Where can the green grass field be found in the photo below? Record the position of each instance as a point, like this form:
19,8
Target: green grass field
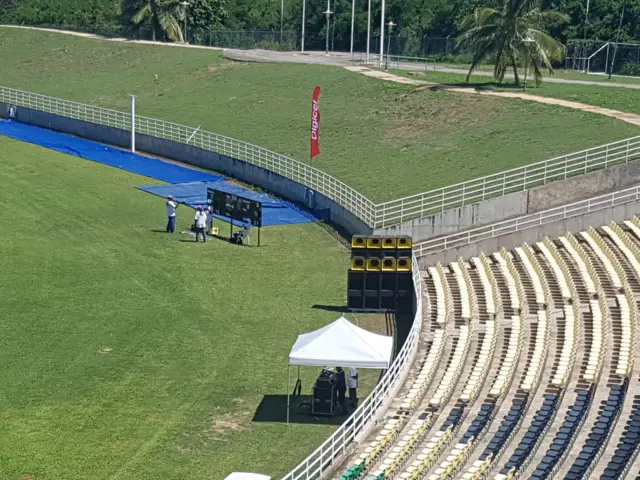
560,73
616,98
128,353
374,137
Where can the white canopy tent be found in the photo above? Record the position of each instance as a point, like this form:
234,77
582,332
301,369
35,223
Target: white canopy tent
343,344
247,476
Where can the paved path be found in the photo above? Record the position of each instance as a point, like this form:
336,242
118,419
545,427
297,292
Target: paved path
344,59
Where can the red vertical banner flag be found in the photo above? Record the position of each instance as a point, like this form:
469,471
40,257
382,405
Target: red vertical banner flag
315,123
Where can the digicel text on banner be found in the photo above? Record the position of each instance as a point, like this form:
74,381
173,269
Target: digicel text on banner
315,123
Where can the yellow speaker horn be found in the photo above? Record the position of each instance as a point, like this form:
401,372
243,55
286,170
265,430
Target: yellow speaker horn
358,241
389,264
374,242
373,264
404,242
358,264
404,264
389,242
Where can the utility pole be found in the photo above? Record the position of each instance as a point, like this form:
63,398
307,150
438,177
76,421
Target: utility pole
615,50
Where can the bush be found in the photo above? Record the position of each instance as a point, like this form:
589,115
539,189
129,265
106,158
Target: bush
631,69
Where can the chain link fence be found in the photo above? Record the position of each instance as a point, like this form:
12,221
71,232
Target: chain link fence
245,39
595,56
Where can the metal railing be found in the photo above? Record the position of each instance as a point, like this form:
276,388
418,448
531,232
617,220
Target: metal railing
333,449
381,215
514,180
468,237
309,176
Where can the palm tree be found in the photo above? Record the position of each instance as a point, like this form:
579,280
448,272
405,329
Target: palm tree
164,16
515,30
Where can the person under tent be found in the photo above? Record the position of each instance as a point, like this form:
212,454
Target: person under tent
352,383
341,389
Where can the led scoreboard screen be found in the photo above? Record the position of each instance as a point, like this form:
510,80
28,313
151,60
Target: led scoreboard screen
235,207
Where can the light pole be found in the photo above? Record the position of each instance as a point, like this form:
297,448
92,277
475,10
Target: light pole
526,42
382,33
584,43
328,15
133,123
304,6
615,50
353,16
390,25
368,29
185,5
281,20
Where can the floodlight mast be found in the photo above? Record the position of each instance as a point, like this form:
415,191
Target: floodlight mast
133,123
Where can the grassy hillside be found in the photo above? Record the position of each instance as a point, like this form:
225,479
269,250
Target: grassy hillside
374,136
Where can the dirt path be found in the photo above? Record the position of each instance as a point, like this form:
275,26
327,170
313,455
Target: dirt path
625,117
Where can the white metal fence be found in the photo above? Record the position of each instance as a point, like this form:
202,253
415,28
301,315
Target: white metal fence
325,456
517,179
468,237
375,215
313,178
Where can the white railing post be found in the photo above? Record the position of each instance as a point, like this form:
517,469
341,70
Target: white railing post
133,123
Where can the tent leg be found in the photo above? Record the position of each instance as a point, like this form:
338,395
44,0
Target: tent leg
288,390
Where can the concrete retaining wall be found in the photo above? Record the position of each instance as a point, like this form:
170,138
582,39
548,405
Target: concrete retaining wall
243,171
583,186
469,216
535,234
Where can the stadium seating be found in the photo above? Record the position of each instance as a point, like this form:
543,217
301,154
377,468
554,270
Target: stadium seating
528,367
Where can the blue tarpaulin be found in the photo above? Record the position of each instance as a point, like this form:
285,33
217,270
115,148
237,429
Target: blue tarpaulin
97,152
188,185
274,211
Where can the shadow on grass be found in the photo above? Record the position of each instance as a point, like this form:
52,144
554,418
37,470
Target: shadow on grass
331,308
273,408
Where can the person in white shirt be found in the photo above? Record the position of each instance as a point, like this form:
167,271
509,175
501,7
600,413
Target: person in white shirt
201,223
352,383
171,213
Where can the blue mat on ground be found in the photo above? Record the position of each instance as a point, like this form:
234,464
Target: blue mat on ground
79,147
189,185
274,211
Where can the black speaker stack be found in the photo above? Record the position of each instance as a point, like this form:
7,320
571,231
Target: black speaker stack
380,278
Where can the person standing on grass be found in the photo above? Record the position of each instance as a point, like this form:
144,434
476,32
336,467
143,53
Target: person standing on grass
341,388
171,213
201,223
352,383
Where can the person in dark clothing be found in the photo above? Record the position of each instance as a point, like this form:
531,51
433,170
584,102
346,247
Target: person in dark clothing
341,387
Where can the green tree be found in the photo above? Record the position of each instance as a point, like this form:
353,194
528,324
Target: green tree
516,30
164,16
205,15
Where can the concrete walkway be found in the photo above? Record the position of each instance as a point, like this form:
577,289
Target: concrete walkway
344,59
